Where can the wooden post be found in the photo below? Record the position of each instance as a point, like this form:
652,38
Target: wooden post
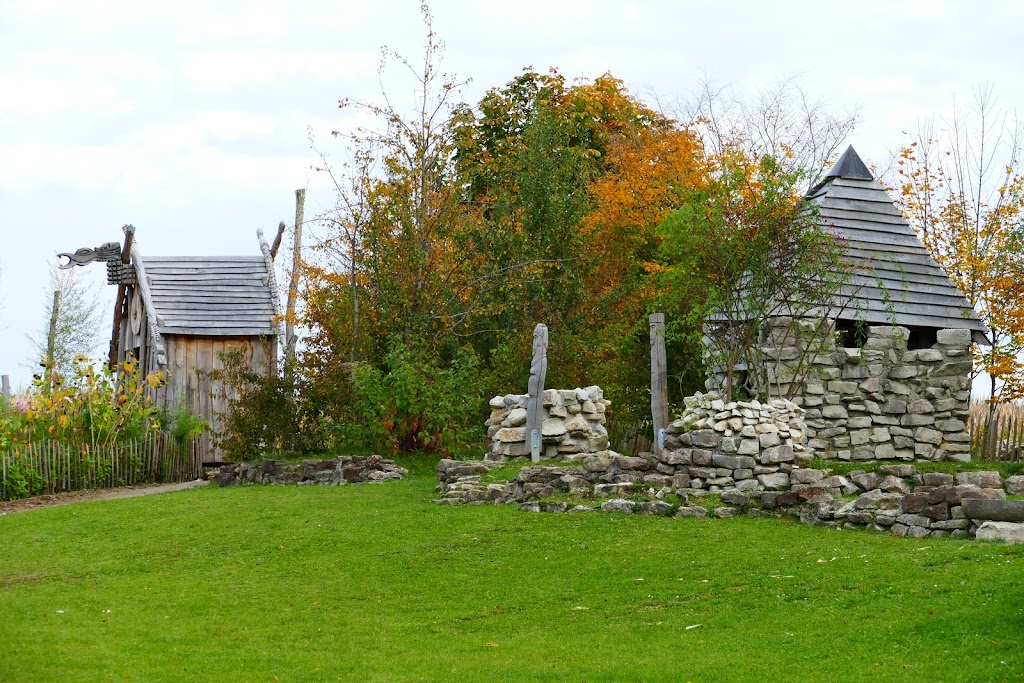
535,403
5,390
120,299
293,285
51,339
659,380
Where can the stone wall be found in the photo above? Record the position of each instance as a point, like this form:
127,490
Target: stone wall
336,471
896,498
572,424
880,401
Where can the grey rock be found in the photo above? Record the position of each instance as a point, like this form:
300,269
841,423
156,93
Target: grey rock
954,337
1014,485
778,480
985,480
654,507
898,470
893,484
692,511
618,505
733,462
736,498
865,480
806,476
938,479
996,510
705,438
1008,532
878,500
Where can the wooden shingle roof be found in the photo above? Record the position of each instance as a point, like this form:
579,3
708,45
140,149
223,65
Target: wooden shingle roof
211,295
896,280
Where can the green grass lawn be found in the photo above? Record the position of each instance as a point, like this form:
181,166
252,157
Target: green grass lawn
376,583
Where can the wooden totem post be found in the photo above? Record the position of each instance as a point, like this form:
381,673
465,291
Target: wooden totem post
659,380
121,301
535,403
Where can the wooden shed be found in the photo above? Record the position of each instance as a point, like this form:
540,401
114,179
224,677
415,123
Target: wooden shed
178,313
896,281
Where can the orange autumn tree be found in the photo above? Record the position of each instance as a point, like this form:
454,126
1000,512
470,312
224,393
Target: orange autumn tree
649,171
962,190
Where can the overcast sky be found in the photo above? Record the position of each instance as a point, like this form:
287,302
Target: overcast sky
191,120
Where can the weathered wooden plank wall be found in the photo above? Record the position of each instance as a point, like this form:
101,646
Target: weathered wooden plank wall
190,360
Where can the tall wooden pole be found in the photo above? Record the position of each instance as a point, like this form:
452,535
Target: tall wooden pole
293,285
5,390
659,380
51,339
535,402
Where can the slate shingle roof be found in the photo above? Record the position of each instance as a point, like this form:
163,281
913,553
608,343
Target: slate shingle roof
896,279
211,295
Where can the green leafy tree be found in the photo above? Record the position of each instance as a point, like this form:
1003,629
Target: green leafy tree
78,322
743,251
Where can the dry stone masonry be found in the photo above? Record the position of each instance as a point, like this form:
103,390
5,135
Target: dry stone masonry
572,424
881,400
896,498
371,469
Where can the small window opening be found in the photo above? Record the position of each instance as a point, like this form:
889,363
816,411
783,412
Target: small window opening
851,334
922,337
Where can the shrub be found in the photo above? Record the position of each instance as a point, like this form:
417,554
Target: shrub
414,403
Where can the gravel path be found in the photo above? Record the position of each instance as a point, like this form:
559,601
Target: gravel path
24,504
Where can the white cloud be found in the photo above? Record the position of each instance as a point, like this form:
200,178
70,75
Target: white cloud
220,68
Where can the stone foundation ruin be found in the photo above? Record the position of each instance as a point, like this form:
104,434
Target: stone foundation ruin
883,399
572,424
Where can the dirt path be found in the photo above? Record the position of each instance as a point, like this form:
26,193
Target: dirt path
24,504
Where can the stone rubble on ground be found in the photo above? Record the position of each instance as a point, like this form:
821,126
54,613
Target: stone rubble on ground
371,469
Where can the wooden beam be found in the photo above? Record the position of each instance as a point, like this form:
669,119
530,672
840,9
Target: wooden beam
275,298
142,282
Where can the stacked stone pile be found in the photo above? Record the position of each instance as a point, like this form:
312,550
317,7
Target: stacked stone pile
742,444
572,424
371,469
881,401
896,498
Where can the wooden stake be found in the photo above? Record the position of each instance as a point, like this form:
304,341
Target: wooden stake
293,285
5,390
659,380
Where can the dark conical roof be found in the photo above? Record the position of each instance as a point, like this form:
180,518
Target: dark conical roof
850,166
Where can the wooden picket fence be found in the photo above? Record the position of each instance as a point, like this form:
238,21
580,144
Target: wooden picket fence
997,435
51,466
